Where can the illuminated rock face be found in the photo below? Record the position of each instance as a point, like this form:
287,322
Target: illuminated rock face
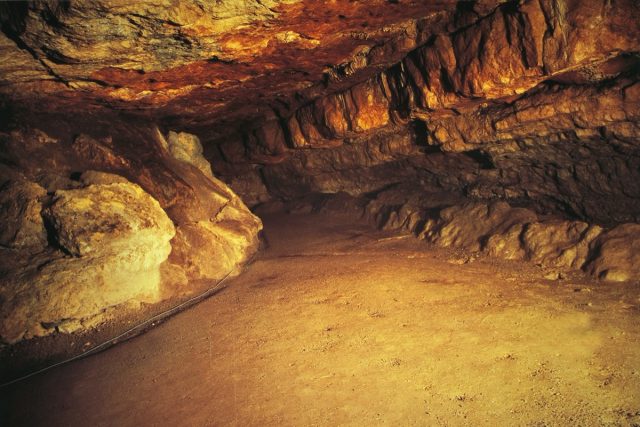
96,246
196,65
500,230
505,127
117,235
547,107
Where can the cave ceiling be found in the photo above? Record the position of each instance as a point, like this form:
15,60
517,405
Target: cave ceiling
214,67
207,67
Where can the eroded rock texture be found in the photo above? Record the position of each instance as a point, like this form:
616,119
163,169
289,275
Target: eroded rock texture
83,247
500,230
207,67
117,236
526,104
508,127
546,106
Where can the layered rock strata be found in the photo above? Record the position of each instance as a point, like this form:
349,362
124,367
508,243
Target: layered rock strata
467,123
546,107
207,66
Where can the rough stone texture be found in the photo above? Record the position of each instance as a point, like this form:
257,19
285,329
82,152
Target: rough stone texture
184,60
557,243
546,106
511,233
214,245
20,207
117,235
111,242
617,254
469,226
444,116
219,224
111,219
187,148
502,55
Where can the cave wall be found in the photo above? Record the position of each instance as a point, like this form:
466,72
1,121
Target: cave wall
545,105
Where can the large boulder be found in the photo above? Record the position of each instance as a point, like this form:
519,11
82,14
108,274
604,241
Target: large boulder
20,206
116,237
105,220
215,231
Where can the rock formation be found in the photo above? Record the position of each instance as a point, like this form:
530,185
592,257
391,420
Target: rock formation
80,248
502,231
505,127
115,237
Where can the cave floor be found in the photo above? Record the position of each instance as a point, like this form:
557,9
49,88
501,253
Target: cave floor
338,324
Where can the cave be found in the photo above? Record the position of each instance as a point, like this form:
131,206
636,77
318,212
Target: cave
319,212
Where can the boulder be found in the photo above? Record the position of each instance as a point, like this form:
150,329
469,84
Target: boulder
217,247
118,219
558,243
469,226
116,236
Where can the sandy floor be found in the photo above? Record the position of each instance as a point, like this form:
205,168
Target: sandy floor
337,324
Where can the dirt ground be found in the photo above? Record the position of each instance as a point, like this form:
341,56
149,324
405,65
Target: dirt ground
338,324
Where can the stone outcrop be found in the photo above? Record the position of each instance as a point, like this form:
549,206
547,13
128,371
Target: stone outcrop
95,245
117,236
510,128
182,62
20,206
511,233
616,254
471,225
497,58
528,90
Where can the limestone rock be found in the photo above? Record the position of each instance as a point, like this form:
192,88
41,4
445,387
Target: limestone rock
509,233
508,244
112,241
187,148
164,55
20,207
470,225
215,231
561,244
616,254
118,236
216,247
412,106
104,219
